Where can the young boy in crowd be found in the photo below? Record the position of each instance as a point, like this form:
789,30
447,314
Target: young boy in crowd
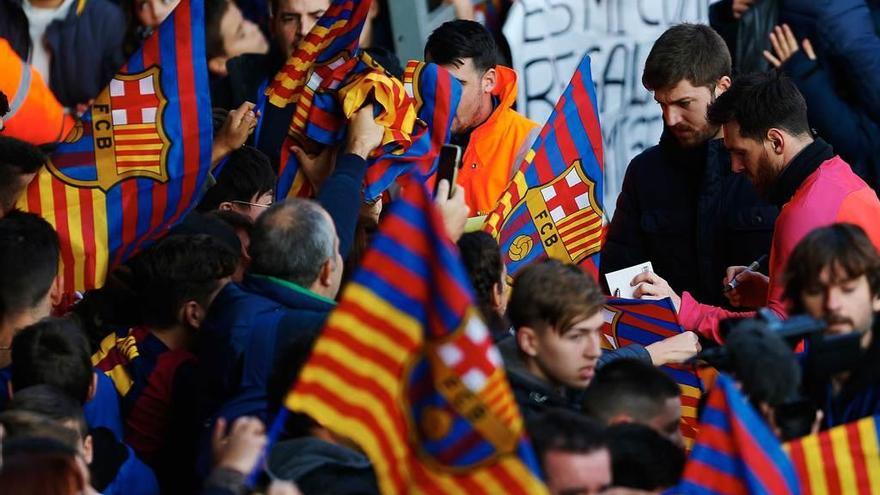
555,311
152,365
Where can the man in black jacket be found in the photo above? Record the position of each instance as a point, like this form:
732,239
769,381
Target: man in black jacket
681,207
556,311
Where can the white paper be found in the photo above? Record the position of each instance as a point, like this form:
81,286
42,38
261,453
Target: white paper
618,282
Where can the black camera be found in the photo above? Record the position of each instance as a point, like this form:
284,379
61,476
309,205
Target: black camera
760,353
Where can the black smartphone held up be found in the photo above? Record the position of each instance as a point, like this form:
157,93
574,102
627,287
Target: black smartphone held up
450,161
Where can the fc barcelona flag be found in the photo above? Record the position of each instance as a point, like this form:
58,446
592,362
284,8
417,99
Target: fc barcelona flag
553,205
406,368
133,165
636,321
844,459
735,452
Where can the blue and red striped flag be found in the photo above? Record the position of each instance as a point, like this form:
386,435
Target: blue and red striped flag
133,166
735,452
553,205
644,322
405,368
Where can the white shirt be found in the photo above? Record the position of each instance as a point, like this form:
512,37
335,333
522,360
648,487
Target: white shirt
38,20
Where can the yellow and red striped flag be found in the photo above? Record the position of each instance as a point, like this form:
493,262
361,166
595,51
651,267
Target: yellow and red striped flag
405,368
844,459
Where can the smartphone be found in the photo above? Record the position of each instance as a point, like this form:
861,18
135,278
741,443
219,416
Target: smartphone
450,161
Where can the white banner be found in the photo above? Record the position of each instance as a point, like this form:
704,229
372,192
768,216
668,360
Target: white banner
547,40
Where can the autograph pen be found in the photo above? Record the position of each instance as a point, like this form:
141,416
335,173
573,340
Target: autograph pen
735,281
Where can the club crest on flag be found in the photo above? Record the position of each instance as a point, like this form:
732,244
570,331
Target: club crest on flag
125,133
563,215
457,417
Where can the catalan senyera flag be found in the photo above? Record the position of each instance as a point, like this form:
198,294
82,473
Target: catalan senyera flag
133,165
428,91
335,79
553,205
843,459
405,368
333,41
644,322
435,94
735,451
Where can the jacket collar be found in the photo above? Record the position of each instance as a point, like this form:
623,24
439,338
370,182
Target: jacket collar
796,172
287,293
694,158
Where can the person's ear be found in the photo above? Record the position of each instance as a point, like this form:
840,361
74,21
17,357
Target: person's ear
527,341
722,85
88,449
777,140
193,314
217,65
93,387
56,291
225,206
325,276
875,302
495,297
489,80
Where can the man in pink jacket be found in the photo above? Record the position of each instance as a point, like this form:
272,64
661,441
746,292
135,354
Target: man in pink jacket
764,118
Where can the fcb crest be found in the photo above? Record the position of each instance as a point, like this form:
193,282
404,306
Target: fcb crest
461,411
561,218
123,133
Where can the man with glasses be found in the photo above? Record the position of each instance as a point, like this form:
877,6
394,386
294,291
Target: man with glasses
245,185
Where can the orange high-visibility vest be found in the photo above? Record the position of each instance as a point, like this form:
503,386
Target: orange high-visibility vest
488,162
35,115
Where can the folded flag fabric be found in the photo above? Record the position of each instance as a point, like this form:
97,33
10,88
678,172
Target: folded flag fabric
735,451
435,95
843,459
136,162
405,368
553,205
644,322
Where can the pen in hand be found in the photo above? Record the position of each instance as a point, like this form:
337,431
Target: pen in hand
734,282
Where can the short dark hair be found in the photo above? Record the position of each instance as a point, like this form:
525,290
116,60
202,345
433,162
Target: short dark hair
29,254
214,12
291,241
17,158
566,431
482,261
246,174
50,402
457,40
692,52
178,269
550,293
631,387
234,219
643,459
22,426
842,245
759,102
762,362
53,352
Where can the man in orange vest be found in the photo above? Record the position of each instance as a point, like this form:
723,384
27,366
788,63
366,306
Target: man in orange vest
494,136
34,114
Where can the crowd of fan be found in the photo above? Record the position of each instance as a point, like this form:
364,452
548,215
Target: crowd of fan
163,380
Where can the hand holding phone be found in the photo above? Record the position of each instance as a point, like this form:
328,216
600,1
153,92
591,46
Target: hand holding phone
449,163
